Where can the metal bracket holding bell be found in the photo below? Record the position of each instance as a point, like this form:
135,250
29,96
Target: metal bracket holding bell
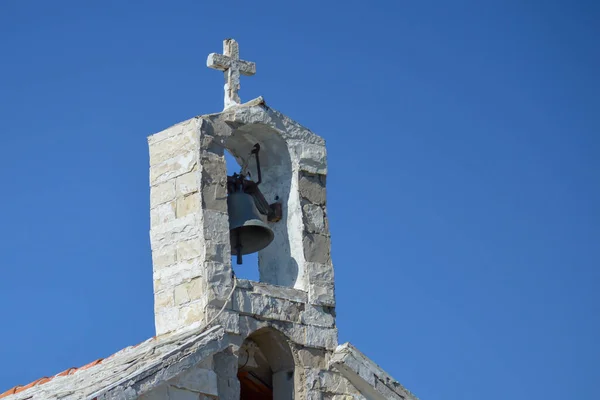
245,204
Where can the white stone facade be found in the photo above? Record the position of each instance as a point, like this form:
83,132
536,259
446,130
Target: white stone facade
189,222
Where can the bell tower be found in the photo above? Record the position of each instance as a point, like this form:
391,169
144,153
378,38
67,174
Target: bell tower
276,205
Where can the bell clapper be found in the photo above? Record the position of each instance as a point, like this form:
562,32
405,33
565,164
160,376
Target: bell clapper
238,248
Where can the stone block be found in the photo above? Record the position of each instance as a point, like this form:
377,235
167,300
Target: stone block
176,393
216,226
214,169
218,252
173,168
181,294
190,313
173,275
228,319
214,197
295,332
190,249
322,294
162,214
172,131
312,188
266,307
188,291
166,319
175,231
319,273
188,204
218,283
321,337
197,380
164,257
314,218
280,292
226,365
317,248
318,316
187,183
164,299
157,393
162,193
313,358
171,147
334,382
311,157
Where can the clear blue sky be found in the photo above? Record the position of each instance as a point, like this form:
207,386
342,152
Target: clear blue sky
467,259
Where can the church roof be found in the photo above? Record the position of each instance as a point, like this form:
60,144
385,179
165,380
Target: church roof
368,377
131,371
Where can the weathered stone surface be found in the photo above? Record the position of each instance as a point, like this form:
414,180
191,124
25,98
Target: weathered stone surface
188,204
229,320
318,316
266,307
295,332
314,218
188,291
174,146
321,337
172,131
226,365
173,168
178,230
162,214
176,393
312,188
190,313
218,252
162,193
164,299
214,197
280,292
317,248
311,157
189,249
319,273
218,283
313,358
164,257
197,380
173,275
366,376
321,294
187,183
216,226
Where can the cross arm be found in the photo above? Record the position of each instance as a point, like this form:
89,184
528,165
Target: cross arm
218,61
247,68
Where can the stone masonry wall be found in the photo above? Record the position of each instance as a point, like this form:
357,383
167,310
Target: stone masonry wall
189,221
189,229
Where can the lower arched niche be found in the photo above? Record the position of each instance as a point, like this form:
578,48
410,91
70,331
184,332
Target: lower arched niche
266,367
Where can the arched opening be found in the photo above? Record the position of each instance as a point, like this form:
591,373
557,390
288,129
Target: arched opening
277,263
266,367
249,269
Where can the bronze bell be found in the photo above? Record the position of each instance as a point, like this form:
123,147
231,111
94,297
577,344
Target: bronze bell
247,231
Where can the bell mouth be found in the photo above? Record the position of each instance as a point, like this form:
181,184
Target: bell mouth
254,236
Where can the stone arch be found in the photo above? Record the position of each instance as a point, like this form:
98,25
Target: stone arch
279,262
266,366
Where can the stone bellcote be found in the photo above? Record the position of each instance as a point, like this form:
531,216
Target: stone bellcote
189,220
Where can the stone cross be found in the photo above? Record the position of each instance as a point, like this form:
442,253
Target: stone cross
230,63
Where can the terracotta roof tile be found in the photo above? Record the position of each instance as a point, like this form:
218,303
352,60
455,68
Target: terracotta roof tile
41,381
